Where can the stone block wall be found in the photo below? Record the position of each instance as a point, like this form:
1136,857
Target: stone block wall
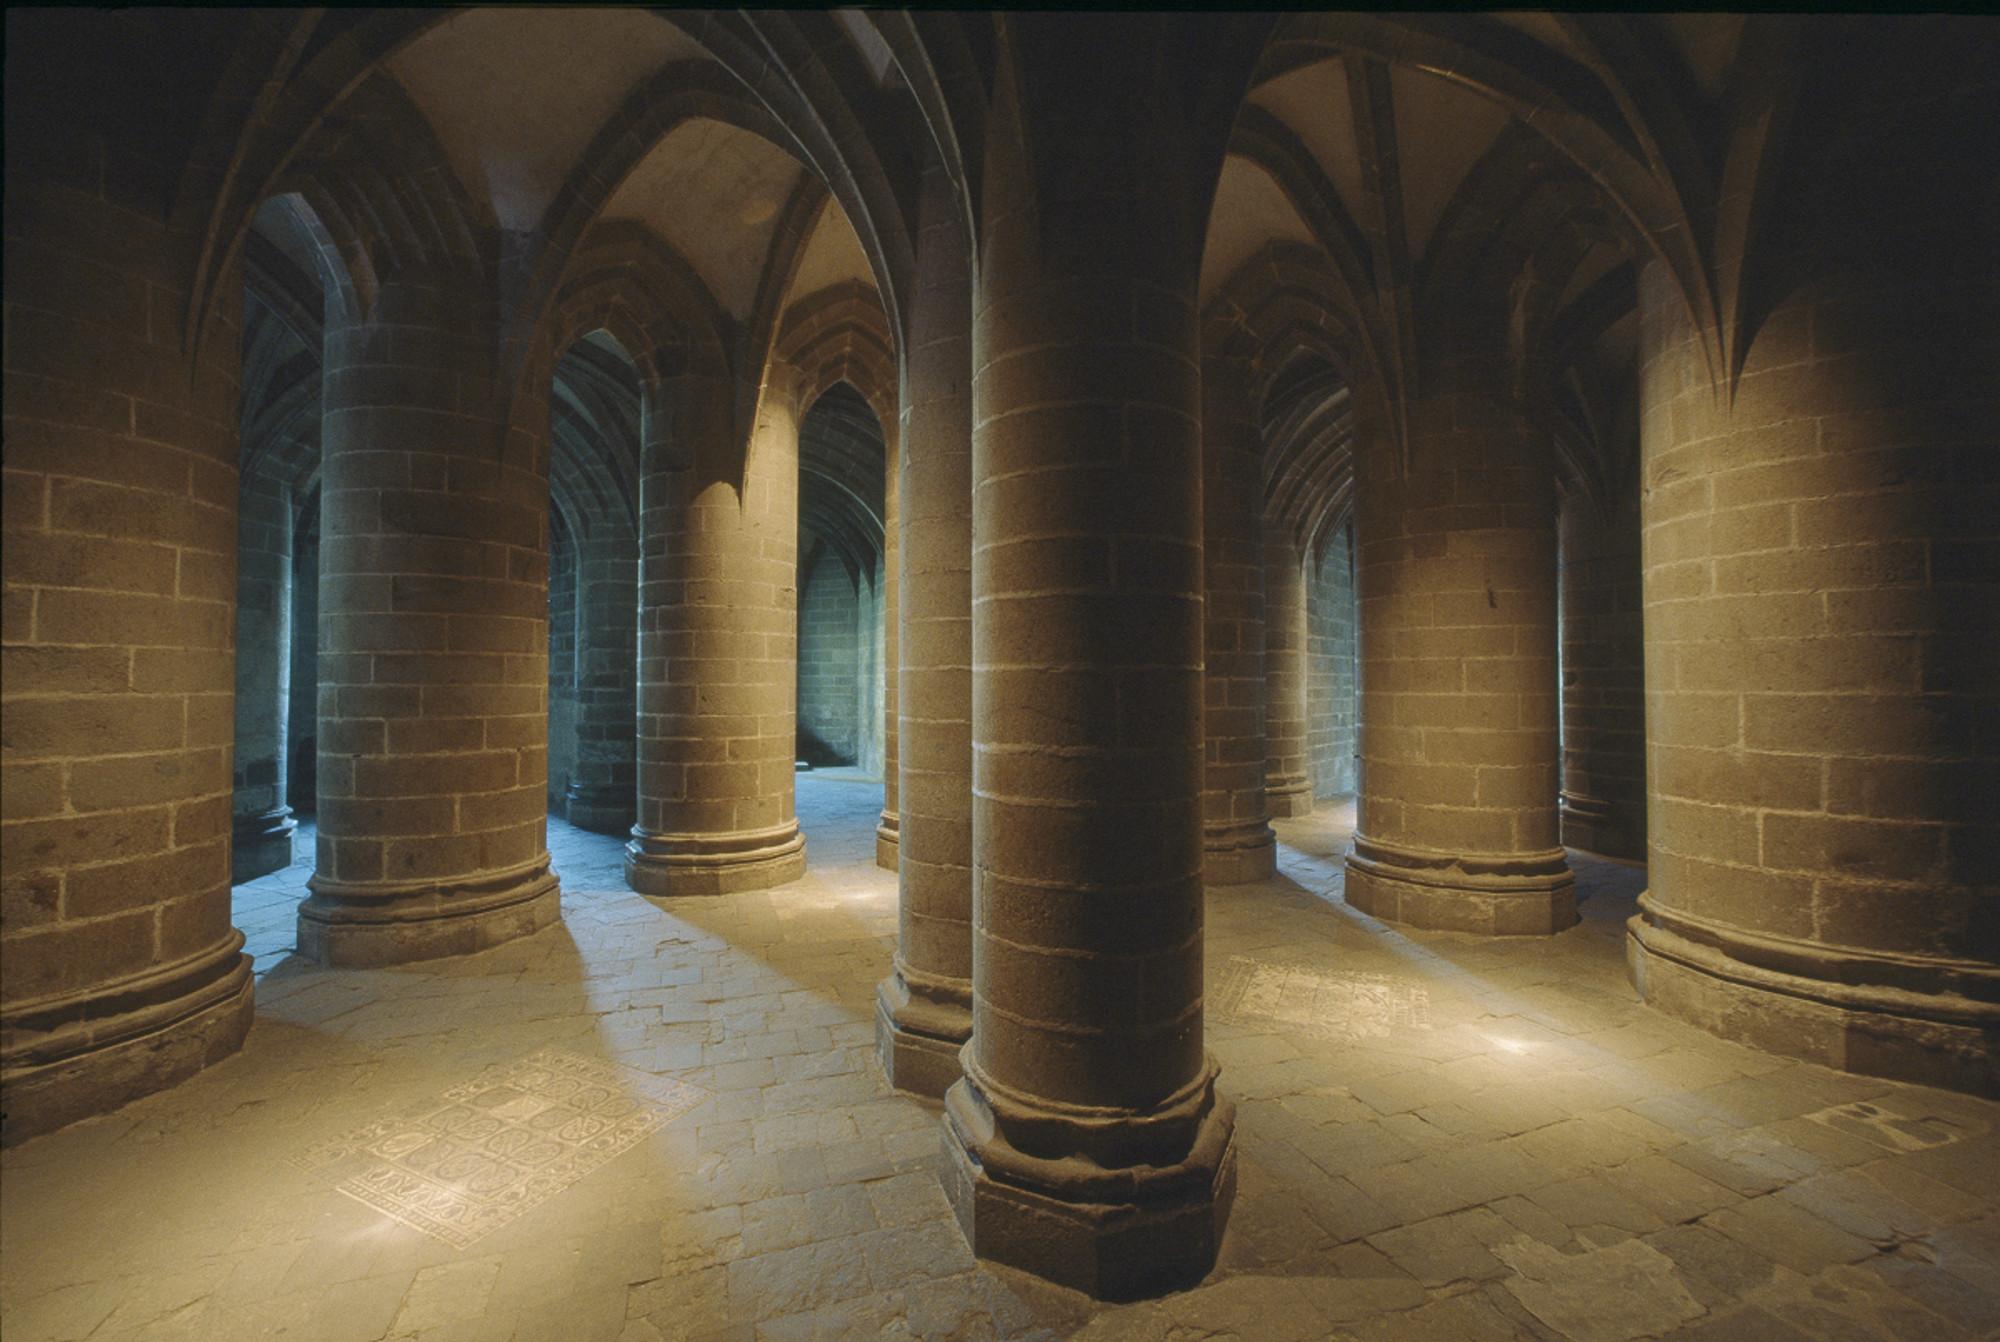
262,827
830,680
603,767
1603,674
302,726
562,666
1330,668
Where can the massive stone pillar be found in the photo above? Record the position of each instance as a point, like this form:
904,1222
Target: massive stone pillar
604,779
1288,786
718,641
888,829
1823,603
1603,673
924,1007
1455,579
1087,1142
433,655
1236,825
262,826
119,971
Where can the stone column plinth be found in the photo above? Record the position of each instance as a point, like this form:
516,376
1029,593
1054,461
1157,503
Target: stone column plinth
1288,789
262,825
119,971
1455,579
718,642
1087,1142
604,780
1603,673
433,651
924,1007
1236,826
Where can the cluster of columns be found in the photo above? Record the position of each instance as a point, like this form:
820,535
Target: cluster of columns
1101,673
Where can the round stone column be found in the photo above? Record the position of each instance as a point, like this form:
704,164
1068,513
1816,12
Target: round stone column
1288,789
1455,581
1237,842
433,651
924,1008
888,828
1603,675
1087,1142
262,824
603,786
1822,608
119,971
718,641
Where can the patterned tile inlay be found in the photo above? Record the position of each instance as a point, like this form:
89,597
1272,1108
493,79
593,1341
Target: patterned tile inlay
1889,1129
462,1165
1326,1004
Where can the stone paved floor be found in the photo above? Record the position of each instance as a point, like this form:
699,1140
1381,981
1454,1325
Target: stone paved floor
1439,1138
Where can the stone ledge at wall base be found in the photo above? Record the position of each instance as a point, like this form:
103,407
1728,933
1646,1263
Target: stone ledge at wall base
921,1024
260,842
888,841
1854,1011
1500,894
1288,796
670,865
70,1057
600,810
367,924
1607,828
1120,1207
1237,852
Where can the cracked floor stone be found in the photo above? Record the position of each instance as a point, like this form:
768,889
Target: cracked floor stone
1496,1141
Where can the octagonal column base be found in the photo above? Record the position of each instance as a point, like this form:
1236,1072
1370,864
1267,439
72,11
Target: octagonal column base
601,810
1287,796
1496,894
888,840
1908,1017
671,865
1236,852
1119,1205
921,1023
261,843
367,924
1606,827
67,1058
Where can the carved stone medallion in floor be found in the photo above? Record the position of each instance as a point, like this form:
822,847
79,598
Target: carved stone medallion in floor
1322,1003
461,1165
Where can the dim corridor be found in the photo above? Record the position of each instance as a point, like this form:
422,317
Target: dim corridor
1438,1136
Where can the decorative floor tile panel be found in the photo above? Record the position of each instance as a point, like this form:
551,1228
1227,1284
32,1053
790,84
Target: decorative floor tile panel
1323,1003
462,1165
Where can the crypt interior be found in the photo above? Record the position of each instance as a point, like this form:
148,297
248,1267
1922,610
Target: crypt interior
766,675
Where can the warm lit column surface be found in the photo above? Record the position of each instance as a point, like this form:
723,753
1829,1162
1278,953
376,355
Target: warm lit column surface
262,828
1236,826
1086,1142
718,641
888,828
1823,672
604,778
1288,789
924,1007
1455,580
433,653
119,971
1603,673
